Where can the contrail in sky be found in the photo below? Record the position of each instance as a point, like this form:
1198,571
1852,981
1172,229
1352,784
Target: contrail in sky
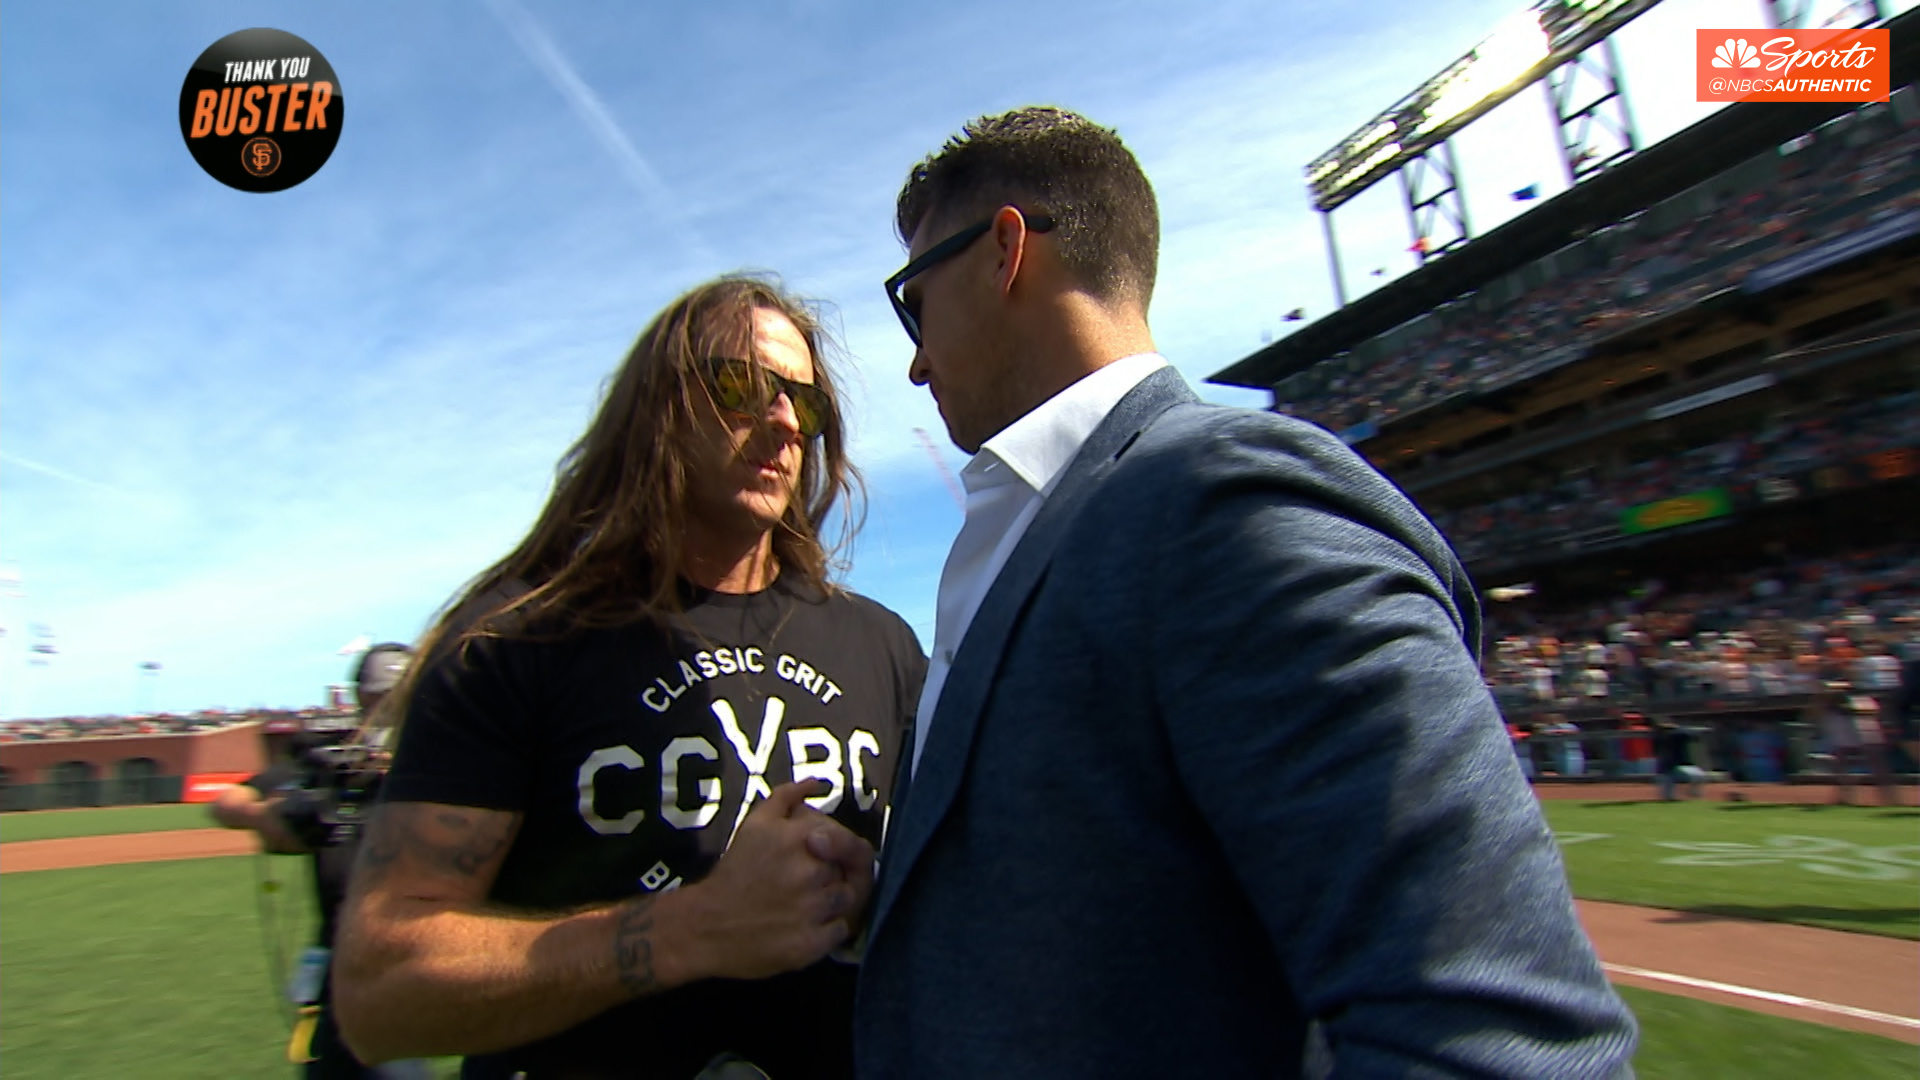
62,474
546,56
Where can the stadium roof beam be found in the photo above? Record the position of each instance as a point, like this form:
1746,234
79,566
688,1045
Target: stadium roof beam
1522,49
1583,149
1697,154
1438,217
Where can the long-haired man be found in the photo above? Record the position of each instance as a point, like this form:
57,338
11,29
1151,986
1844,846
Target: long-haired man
643,764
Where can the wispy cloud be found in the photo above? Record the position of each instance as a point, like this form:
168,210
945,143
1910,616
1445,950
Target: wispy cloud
599,120
62,474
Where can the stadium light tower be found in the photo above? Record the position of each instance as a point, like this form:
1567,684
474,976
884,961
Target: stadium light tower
1525,48
10,590
1437,215
1599,132
39,660
144,685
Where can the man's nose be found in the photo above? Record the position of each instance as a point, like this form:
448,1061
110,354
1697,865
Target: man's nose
917,371
782,416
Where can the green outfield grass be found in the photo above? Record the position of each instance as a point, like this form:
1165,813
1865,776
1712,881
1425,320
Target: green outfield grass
1847,868
160,970
102,821
1684,1039
151,969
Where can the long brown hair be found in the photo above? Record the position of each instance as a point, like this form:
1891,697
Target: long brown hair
607,549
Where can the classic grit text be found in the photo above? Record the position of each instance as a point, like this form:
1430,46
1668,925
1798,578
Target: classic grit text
815,752
734,661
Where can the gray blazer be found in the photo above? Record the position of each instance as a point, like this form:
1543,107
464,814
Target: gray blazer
1214,768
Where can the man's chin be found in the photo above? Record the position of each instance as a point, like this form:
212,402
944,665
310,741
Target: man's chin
745,510
760,513
966,443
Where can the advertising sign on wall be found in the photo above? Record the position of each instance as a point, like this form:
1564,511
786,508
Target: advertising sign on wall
1679,510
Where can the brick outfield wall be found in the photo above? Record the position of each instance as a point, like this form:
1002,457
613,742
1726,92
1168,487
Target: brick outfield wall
239,749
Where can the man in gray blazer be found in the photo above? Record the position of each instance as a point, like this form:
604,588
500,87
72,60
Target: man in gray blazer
1206,781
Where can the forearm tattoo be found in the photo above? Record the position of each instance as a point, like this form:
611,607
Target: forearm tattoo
633,945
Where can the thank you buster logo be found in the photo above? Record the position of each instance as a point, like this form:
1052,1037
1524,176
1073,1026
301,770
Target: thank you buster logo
1792,65
261,110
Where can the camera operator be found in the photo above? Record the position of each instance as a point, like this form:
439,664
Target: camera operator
310,803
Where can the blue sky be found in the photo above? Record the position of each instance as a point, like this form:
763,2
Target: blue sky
238,430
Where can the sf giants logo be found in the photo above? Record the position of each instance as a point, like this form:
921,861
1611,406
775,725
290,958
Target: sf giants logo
815,754
261,156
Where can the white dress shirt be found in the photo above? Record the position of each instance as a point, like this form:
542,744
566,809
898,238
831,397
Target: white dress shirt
1006,484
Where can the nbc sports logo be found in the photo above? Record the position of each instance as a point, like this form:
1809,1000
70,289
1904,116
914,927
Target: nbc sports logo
1840,65
1735,52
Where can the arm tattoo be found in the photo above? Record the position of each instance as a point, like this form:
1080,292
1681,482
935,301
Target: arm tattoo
454,843
379,848
475,842
633,946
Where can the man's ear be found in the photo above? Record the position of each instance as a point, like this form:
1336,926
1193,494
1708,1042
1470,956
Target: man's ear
1010,236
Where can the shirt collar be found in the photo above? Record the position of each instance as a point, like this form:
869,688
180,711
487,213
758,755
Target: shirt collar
1037,448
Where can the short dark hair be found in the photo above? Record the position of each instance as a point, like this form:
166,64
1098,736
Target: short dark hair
1051,161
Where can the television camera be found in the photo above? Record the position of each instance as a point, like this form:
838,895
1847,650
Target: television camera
336,786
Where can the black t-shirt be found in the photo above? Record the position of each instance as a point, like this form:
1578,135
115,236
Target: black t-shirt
632,754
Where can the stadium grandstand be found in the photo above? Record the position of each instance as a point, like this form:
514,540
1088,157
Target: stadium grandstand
57,728
1670,419
69,761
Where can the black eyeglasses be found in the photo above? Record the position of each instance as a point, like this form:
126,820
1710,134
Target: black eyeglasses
746,387
909,310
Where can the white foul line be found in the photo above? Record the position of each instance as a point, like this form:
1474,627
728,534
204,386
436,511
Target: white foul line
1767,995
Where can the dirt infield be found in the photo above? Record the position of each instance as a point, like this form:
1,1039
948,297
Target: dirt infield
1847,977
126,848
1856,981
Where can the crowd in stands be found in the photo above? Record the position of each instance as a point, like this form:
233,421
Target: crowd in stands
1595,498
98,727
1785,631
1836,641
1826,190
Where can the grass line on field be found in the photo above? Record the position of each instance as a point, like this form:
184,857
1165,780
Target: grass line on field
1794,1000
102,821
1683,1038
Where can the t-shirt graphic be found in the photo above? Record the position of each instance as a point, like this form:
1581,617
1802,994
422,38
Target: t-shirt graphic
633,755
